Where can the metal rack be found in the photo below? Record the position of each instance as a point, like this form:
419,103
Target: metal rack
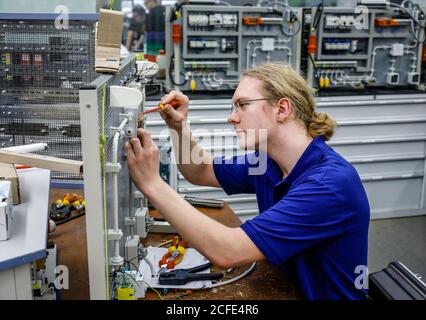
41,70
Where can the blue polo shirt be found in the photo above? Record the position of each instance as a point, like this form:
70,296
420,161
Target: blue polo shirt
313,223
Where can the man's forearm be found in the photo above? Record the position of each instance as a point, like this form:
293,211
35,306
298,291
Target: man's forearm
191,159
211,238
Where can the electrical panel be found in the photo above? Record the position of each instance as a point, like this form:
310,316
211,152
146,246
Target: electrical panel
210,46
41,70
363,47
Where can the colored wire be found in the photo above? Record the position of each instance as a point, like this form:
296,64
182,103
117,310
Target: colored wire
222,283
158,293
318,14
103,164
164,243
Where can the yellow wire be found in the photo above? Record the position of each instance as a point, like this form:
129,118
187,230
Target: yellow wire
156,291
111,4
103,163
164,243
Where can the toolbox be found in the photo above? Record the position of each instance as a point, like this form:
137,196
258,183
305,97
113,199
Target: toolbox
396,282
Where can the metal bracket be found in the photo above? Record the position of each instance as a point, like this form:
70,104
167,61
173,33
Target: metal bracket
113,168
142,222
129,221
138,195
131,126
114,235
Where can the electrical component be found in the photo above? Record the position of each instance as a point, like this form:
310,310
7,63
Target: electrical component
354,46
229,20
268,44
215,19
331,21
397,50
227,45
312,44
336,64
271,20
141,217
199,20
413,78
373,2
337,44
392,78
344,21
192,85
386,22
206,64
252,21
129,285
127,293
203,44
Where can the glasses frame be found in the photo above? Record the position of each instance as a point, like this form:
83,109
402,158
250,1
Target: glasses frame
236,105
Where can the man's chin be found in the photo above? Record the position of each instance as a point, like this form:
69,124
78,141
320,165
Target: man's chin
243,145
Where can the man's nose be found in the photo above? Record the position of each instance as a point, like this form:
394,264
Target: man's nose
233,118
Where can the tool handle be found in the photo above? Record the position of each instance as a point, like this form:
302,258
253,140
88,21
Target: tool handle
198,268
173,103
182,278
205,276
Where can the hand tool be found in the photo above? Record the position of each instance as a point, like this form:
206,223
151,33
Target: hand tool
173,103
183,276
174,254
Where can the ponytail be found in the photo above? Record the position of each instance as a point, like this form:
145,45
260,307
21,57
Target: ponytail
322,125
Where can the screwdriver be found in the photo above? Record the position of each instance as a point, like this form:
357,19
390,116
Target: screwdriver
173,103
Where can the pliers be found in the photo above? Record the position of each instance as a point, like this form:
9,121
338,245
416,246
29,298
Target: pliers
183,276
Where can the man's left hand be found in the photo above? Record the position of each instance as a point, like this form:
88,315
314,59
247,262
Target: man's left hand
143,160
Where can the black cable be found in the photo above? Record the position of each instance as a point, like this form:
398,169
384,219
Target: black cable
176,8
409,14
312,59
172,62
318,14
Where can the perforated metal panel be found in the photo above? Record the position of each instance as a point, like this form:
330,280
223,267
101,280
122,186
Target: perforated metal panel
41,70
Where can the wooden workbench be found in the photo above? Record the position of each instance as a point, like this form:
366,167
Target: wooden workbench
266,282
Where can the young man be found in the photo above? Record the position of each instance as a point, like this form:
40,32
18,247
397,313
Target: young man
155,36
135,34
314,213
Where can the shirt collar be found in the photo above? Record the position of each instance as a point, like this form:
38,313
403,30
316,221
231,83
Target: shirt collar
309,158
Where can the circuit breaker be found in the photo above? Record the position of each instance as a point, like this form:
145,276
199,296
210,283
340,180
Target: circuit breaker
361,47
210,46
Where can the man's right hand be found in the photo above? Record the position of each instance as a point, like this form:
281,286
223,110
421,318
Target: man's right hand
175,117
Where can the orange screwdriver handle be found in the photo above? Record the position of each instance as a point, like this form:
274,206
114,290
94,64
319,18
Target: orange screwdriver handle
173,103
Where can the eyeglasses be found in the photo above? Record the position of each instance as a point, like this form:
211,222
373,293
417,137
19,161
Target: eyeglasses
240,104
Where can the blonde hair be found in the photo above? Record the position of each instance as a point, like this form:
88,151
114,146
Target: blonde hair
281,81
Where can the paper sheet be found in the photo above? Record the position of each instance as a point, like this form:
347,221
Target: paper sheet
191,259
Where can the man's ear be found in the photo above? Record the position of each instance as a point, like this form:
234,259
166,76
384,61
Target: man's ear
284,109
